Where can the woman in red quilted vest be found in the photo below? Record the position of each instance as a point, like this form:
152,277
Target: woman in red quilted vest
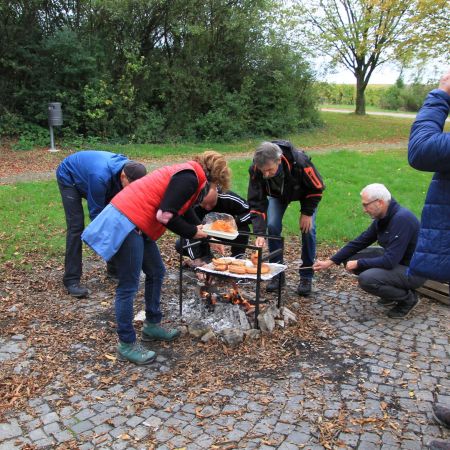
126,232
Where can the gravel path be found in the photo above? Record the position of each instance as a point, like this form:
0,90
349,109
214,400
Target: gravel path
153,164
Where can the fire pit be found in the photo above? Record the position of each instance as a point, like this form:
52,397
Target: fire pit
233,296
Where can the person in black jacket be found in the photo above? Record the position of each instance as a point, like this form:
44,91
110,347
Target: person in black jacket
383,271
279,175
220,202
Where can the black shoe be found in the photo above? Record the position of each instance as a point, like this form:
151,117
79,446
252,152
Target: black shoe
441,415
403,308
275,282
75,290
304,287
386,301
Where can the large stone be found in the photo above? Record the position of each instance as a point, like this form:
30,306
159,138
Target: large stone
209,335
266,319
198,329
288,315
232,336
252,334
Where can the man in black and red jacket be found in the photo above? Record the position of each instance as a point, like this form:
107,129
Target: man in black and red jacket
221,202
279,175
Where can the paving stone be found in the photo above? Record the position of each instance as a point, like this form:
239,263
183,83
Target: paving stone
10,445
52,428
139,432
44,443
163,435
63,436
9,430
37,435
81,427
297,438
85,414
204,441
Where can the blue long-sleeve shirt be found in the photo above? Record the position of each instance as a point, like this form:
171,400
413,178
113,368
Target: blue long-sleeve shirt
396,232
96,175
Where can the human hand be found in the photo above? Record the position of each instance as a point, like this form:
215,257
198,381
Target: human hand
322,265
305,223
444,84
219,248
260,241
200,233
351,266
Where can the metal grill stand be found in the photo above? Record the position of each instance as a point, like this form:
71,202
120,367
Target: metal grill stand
244,246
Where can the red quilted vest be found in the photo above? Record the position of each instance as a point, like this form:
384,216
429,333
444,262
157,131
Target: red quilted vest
140,200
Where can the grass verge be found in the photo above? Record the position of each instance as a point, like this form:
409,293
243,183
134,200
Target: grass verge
33,219
338,129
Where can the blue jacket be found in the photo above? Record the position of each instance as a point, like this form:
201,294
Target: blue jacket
396,232
96,175
429,150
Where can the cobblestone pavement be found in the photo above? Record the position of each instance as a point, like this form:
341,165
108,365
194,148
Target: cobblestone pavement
370,386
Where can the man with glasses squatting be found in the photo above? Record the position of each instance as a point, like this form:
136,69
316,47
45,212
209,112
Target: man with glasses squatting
382,270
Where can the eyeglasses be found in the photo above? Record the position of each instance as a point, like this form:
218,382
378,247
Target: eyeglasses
365,205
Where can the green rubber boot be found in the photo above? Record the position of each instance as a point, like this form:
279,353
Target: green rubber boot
154,332
135,353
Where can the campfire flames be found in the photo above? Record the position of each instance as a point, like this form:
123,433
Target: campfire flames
233,296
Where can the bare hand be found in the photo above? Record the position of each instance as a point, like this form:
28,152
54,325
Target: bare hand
200,233
445,83
260,242
305,223
219,248
322,265
351,266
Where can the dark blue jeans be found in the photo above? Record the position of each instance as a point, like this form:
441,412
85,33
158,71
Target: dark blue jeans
137,252
275,213
73,208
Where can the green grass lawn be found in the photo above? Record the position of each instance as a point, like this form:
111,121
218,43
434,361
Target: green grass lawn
33,219
338,129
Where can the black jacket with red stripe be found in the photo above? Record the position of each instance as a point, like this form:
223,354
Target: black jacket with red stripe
301,181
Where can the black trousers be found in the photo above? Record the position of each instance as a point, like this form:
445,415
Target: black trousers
202,250
392,283
73,208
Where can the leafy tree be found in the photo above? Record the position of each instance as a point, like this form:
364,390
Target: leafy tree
363,34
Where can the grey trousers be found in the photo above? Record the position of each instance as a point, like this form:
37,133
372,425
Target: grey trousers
393,284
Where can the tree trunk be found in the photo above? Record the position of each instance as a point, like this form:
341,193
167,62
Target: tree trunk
360,94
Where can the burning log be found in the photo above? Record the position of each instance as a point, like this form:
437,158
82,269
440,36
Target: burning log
233,296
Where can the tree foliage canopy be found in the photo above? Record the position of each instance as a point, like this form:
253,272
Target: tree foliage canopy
151,70
363,34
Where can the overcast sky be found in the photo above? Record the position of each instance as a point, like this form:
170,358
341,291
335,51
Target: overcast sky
384,74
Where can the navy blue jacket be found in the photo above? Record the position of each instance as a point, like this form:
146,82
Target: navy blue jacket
396,232
96,175
429,150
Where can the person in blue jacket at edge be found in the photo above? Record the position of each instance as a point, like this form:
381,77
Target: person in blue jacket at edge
96,176
429,150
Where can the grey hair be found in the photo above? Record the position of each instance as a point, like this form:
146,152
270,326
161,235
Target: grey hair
265,153
377,191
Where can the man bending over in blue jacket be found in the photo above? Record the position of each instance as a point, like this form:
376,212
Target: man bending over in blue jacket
96,176
383,271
